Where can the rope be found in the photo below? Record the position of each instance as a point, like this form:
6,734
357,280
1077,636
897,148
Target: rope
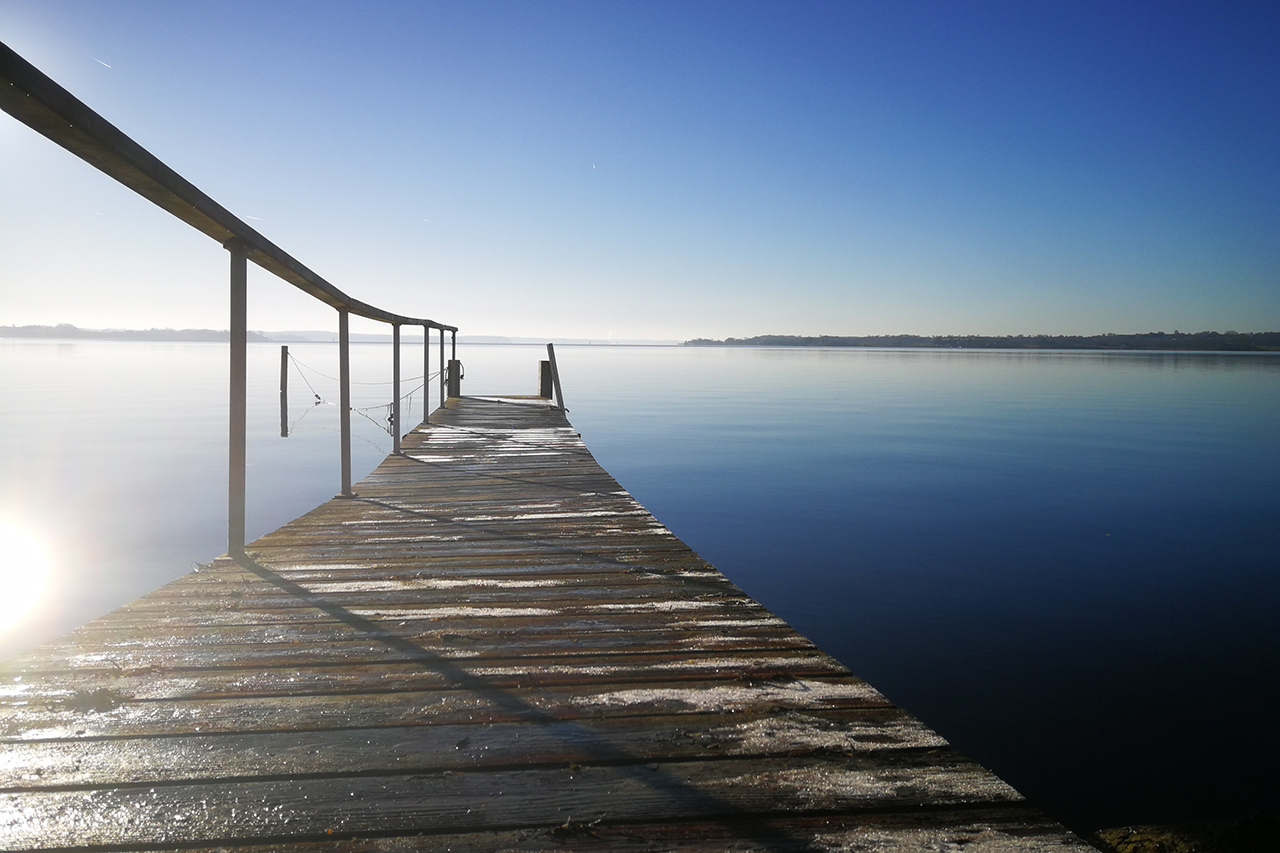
374,444
302,366
315,393
305,412
388,427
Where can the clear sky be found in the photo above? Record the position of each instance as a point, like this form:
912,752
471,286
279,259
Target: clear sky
667,170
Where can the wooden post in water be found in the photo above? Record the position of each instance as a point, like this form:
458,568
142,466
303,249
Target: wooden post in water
236,434
555,377
395,388
284,392
344,399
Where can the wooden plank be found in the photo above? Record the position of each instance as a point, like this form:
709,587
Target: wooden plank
115,715
967,830
467,802
465,637
84,763
531,622
188,682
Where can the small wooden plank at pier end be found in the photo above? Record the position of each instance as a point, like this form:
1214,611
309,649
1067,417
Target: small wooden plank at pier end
492,647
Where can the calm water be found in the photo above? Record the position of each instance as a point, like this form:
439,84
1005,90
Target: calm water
1064,562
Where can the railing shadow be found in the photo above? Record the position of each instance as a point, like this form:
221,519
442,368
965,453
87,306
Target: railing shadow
704,807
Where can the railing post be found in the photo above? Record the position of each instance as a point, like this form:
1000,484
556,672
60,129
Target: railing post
442,371
344,399
395,389
236,432
426,374
555,376
284,392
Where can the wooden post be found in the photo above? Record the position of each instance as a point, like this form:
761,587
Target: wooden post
395,389
344,399
555,377
544,380
236,434
455,378
426,374
455,367
442,370
284,392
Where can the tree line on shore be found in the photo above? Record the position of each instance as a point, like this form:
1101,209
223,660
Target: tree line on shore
1230,341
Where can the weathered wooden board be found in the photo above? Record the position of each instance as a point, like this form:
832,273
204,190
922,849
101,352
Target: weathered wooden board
80,762
492,647
496,799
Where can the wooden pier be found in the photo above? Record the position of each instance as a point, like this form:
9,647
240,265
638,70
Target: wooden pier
492,646
485,645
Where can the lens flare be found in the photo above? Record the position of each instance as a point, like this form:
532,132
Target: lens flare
24,571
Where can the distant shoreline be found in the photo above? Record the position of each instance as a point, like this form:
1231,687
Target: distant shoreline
66,331
1190,341
1229,341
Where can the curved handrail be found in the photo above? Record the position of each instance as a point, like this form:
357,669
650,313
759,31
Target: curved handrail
30,96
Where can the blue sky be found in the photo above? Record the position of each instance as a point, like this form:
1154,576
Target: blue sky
667,170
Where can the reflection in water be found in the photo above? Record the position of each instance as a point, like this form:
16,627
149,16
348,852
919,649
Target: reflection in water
24,572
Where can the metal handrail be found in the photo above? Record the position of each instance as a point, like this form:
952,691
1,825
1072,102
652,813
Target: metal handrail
30,96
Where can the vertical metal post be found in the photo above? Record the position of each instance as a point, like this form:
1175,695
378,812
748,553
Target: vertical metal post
442,376
395,388
284,392
453,342
426,374
555,376
236,440
344,399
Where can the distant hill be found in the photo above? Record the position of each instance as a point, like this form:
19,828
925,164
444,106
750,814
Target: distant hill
67,331
1198,341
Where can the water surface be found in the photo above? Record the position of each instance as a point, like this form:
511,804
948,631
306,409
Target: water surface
1064,562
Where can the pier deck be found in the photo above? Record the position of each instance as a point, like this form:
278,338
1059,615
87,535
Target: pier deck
492,647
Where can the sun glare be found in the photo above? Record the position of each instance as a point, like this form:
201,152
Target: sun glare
24,570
